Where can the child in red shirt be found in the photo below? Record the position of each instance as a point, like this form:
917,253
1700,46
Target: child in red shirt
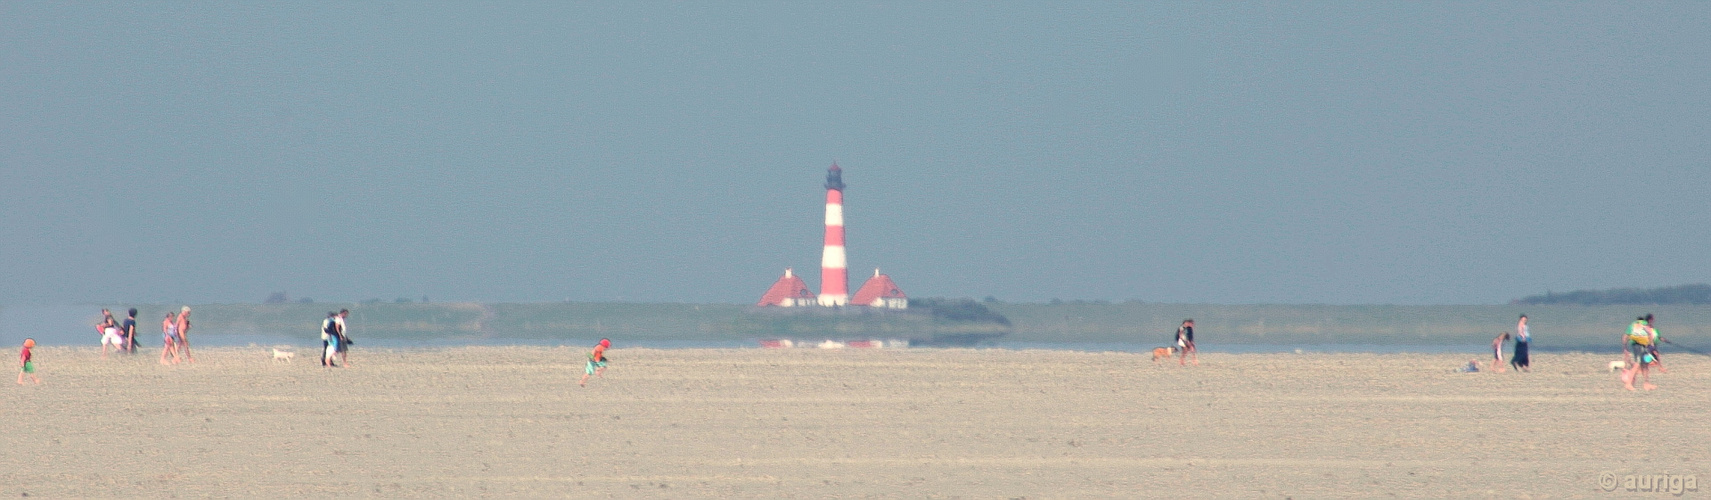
596,362
24,361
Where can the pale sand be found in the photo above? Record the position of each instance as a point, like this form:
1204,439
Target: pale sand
511,421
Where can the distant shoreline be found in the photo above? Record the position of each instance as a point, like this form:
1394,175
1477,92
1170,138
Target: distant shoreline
1128,326
261,341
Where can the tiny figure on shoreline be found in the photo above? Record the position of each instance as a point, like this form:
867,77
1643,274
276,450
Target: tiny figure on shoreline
108,331
596,362
110,337
27,363
106,321
1637,351
129,330
169,338
184,333
1497,352
1185,343
344,348
1522,359
329,339
1657,357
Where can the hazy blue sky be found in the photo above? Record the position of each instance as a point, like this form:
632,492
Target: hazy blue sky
1365,152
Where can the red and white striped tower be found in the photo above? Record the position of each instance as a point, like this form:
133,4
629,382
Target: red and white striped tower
834,277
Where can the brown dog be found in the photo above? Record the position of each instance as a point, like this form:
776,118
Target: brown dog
1163,353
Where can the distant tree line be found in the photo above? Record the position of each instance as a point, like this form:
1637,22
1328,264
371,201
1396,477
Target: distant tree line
958,310
1684,294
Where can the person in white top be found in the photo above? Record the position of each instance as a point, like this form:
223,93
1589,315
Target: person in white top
344,338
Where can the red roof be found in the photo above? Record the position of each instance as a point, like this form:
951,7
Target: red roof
878,287
787,287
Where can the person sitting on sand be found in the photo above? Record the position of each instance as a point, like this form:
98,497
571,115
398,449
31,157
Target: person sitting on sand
596,362
1638,352
1472,366
169,338
1497,352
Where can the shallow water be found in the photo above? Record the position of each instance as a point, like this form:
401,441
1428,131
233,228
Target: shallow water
66,325
396,343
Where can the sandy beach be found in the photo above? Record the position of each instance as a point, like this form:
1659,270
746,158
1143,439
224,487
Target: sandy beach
511,421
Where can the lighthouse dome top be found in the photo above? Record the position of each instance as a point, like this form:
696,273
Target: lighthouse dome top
835,177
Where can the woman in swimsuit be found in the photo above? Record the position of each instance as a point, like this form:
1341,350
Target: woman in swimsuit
169,337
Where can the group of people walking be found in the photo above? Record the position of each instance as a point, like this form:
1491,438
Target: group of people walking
1521,359
335,343
1639,351
1185,343
122,335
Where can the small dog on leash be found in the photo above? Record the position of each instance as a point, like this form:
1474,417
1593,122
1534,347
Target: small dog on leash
1618,365
1163,353
283,356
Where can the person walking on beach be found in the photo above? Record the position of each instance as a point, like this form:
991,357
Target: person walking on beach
184,333
1638,353
1185,343
596,362
108,330
110,336
1497,352
129,330
106,321
1657,358
27,363
1521,359
329,339
169,338
344,338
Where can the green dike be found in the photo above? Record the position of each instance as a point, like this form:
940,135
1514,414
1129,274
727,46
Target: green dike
1142,323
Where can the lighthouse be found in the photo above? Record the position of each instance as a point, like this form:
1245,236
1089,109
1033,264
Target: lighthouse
878,292
834,277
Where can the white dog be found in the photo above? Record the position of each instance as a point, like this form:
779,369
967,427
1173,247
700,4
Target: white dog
285,356
1618,365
